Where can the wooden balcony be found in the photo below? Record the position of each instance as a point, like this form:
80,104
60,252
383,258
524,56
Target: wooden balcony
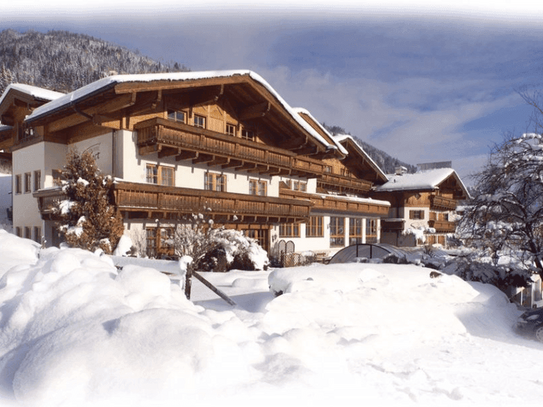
392,224
48,200
442,226
442,203
149,201
333,182
339,205
216,149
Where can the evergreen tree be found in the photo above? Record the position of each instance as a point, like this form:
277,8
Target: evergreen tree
89,219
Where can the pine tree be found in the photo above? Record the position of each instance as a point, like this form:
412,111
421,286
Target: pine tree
89,219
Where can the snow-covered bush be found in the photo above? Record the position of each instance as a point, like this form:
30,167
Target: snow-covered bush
217,248
89,219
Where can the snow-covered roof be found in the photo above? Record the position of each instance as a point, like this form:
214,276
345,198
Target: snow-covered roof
34,91
424,180
102,84
301,110
342,137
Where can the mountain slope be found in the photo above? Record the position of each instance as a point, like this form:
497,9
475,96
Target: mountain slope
64,61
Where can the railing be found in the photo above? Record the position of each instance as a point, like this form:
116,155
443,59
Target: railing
442,226
150,197
164,133
330,203
442,202
343,182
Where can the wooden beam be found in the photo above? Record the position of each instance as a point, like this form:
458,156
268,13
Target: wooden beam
186,155
219,161
203,158
167,152
254,111
206,95
149,149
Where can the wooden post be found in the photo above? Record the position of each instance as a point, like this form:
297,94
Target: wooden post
188,281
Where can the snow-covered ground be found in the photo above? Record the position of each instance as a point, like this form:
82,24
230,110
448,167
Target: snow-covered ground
76,331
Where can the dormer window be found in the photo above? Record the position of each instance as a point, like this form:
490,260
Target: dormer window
177,116
248,135
199,121
230,129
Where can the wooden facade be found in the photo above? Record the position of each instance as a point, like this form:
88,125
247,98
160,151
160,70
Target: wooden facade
196,126
422,205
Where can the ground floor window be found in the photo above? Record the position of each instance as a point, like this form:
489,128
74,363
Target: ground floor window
260,235
314,227
37,234
289,230
337,231
160,241
371,230
356,232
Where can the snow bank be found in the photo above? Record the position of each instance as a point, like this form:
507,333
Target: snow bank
74,330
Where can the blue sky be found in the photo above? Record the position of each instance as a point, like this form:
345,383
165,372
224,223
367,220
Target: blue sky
421,82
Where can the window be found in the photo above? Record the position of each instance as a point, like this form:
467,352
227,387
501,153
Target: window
176,116
18,184
299,186
28,233
371,230
337,231
18,231
160,241
258,187
248,135
158,174
37,180
37,234
355,230
416,214
151,241
314,227
289,230
28,182
215,182
199,121
231,129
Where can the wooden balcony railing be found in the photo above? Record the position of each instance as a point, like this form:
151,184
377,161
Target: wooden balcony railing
150,198
172,138
442,226
440,202
332,204
335,182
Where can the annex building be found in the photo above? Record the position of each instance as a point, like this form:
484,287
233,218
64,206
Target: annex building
223,144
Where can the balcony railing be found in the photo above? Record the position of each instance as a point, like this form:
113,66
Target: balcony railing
442,226
150,200
134,197
440,202
172,138
337,182
330,203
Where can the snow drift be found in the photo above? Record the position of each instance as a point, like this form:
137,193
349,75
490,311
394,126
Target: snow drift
76,331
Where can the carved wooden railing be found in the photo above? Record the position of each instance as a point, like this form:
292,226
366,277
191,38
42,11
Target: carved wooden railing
335,181
442,226
329,203
157,134
440,202
130,197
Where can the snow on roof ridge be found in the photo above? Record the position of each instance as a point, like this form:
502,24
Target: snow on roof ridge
172,76
427,179
35,91
301,110
341,137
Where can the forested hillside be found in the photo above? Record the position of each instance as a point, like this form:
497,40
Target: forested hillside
64,61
